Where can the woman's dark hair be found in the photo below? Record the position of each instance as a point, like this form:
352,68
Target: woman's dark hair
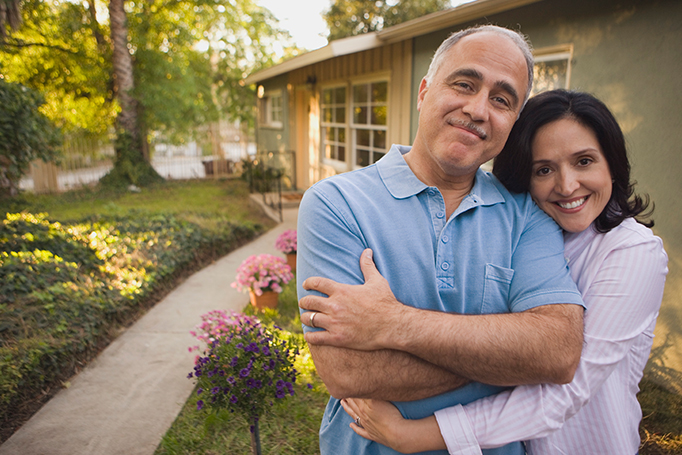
513,166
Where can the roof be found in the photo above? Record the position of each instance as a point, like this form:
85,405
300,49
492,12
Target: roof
407,30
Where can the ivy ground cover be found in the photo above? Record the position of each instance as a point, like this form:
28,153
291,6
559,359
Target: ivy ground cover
76,268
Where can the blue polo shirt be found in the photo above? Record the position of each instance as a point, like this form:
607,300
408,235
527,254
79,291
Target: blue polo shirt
498,253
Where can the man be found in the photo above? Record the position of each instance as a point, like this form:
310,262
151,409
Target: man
447,237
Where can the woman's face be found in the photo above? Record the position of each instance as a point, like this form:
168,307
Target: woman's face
570,179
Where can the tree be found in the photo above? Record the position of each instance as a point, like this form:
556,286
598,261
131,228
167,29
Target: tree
25,134
9,14
176,65
354,17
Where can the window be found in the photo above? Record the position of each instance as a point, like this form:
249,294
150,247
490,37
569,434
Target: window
369,125
271,109
334,123
552,68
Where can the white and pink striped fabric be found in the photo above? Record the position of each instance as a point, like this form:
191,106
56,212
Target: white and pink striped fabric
621,276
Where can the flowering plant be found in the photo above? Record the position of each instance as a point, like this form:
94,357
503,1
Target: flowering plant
286,242
261,273
245,367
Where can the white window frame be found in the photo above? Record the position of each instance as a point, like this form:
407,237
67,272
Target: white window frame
273,109
562,52
338,165
355,127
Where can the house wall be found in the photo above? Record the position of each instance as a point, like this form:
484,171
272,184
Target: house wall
394,61
627,53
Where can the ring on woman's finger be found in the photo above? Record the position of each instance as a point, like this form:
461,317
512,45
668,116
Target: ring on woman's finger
312,319
357,422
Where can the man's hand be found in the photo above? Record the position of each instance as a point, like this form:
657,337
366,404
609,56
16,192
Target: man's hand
355,317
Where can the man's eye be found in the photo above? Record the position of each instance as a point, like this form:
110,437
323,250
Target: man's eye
500,100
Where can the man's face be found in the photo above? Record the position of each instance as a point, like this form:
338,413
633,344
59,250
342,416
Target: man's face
469,108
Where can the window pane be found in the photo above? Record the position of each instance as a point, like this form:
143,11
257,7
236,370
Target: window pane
380,139
379,115
360,94
340,95
342,134
340,115
362,137
379,92
363,158
360,115
328,134
328,151
549,75
326,115
326,96
341,153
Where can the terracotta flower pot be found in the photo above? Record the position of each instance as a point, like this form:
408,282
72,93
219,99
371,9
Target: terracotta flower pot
267,300
291,261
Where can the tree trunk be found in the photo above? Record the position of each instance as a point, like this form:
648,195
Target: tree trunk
130,166
124,82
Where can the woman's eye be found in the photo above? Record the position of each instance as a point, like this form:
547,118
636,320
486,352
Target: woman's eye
542,171
584,161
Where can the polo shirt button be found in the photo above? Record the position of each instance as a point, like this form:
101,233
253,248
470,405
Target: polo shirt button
432,191
445,266
445,239
440,214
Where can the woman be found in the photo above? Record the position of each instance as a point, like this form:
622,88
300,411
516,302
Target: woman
569,152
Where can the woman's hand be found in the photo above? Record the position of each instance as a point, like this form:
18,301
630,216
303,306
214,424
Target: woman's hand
381,422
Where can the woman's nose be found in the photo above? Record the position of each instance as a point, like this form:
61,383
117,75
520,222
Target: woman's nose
566,183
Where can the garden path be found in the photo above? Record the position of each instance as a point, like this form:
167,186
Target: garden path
125,400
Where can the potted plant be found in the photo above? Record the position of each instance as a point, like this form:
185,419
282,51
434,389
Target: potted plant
245,368
286,243
263,277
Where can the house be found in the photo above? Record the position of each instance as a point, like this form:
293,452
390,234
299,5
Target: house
342,106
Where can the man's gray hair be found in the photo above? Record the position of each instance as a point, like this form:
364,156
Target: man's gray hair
520,40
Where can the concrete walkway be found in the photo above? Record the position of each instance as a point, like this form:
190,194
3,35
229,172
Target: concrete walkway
125,400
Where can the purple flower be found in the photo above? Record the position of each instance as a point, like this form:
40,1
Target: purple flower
231,380
279,384
244,372
250,382
199,390
310,386
259,384
280,393
266,350
189,376
240,346
200,404
233,399
234,361
215,390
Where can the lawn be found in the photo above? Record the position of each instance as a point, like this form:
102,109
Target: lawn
76,268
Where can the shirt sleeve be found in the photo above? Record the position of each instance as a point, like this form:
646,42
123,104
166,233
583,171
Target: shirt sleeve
541,275
622,301
329,243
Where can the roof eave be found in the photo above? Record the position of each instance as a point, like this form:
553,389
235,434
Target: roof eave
447,18
336,48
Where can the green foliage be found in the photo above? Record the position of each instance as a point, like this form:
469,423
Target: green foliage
65,287
25,133
353,17
56,52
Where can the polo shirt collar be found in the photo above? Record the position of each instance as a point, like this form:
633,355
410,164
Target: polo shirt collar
402,183
397,175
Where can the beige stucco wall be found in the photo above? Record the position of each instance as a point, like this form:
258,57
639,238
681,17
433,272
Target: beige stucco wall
629,54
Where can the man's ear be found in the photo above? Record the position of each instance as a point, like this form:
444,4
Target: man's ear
423,88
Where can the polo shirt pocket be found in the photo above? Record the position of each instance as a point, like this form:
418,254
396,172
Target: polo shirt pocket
496,291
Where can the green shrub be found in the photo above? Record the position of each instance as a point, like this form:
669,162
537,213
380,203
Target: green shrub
64,286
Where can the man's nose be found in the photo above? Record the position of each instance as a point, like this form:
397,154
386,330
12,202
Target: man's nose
477,107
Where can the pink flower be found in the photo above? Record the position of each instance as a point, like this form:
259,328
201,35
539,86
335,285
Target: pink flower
287,242
264,272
